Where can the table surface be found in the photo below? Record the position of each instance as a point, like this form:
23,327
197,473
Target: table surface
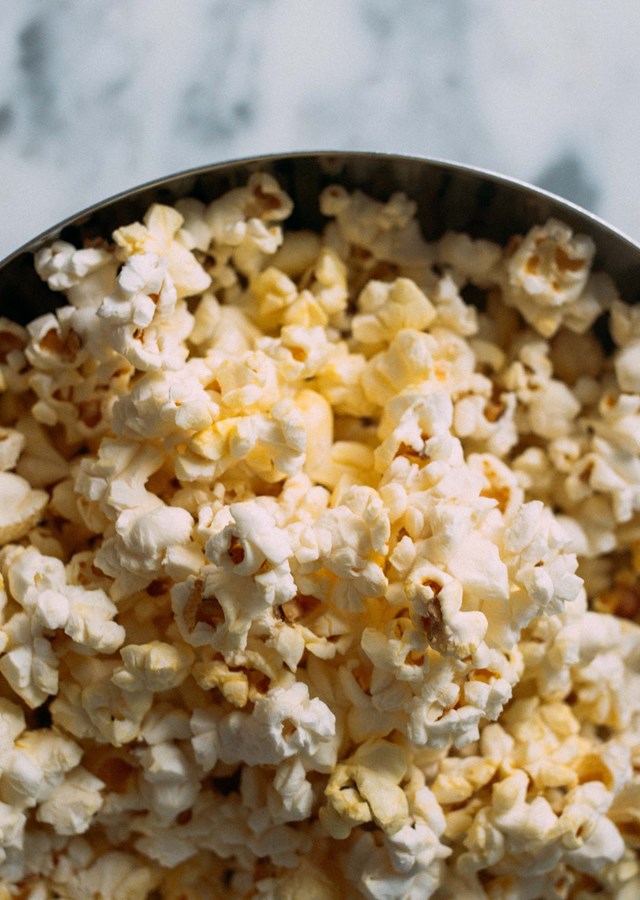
98,97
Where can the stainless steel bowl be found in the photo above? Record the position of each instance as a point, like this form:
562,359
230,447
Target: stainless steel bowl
449,196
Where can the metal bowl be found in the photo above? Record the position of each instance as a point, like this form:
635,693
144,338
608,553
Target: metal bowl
449,196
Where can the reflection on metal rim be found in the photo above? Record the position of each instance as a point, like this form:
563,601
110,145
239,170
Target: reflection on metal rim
449,196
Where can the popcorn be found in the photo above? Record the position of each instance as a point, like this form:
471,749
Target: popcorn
54,344
378,875
388,308
37,764
114,874
284,722
271,444
138,550
473,260
407,362
11,446
158,235
366,788
377,236
546,279
153,667
71,806
62,266
98,709
147,322
21,506
324,296
291,528
28,662
249,577
40,463
241,215
164,404
38,583
345,542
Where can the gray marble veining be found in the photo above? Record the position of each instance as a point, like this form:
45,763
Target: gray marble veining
97,97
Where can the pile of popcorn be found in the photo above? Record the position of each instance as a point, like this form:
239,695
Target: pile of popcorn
320,563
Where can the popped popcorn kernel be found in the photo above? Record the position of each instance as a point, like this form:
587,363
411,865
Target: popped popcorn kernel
320,562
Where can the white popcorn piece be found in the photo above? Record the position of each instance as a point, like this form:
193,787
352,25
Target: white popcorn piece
39,585
250,576
487,423
367,788
452,312
286,721
249,384
146,320
12,723
28,662
447,628
220,608
11,446
379,873
13,339
205,741
627,360
368,232
274,294
72,805
136,553
194,233
100,710
297,253
271,444
12,825
54,345
37,763
115,480
547,274
162,405
247,540
474,260
158,235
224,328
241,215
291,798
417,426
299,352
114,874
153,667
409,361
80,399
171,782
318,422
386,309
339,380
21,506
338,556
325,298
40,463
63,266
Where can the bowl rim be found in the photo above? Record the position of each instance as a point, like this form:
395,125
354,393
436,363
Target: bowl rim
489,175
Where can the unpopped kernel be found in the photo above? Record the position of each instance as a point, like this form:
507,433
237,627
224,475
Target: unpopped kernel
320,563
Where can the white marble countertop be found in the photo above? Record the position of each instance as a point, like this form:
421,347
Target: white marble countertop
97,96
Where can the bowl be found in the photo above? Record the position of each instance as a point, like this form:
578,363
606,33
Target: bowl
450,196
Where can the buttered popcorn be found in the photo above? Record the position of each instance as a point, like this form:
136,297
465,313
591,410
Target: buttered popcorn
320,563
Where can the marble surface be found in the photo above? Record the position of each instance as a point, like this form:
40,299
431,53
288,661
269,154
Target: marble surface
97,96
